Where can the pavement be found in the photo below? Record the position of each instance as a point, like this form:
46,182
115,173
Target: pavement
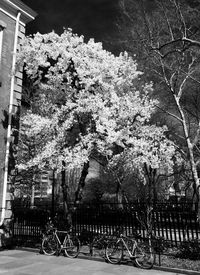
22,262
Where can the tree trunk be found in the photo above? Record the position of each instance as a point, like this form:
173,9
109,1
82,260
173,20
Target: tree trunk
81,184
66,203
190,151
151,182
149,204
119,194
32,195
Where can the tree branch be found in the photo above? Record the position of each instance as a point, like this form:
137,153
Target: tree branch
167,20
182,20
191,41
165,111
191,77
180,92
196,138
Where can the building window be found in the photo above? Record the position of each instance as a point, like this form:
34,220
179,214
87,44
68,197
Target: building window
2,27
1,42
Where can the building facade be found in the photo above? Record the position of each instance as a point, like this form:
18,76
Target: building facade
14,15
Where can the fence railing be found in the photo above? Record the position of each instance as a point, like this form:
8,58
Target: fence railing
173,223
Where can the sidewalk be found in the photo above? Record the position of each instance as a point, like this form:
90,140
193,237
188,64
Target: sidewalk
18,262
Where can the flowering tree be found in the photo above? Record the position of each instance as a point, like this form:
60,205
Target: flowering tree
91,102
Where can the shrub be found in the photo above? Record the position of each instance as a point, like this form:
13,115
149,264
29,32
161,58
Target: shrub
190,250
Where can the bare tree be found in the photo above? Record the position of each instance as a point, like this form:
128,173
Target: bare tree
166,39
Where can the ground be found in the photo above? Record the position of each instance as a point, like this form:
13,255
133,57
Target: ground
19,262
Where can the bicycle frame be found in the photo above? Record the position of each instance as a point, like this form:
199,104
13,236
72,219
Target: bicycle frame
67,236
122,239
135,245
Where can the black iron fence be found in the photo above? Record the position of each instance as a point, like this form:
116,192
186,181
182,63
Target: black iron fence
175,223
28,224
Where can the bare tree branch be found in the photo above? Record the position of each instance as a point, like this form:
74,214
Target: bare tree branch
123,7
180,92
196,138
171,114
191,41
191,77
167,20
182,20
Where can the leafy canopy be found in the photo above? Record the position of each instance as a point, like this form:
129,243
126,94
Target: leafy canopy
90,102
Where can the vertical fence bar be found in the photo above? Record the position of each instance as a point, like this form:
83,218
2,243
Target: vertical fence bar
180,225
192,225
162,225
176,226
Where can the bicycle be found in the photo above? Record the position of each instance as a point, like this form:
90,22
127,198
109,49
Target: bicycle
52,243
141,253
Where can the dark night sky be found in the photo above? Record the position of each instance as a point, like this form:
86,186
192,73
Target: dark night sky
91,18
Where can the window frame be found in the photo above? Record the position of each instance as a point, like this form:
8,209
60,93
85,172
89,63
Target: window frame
1,42
2,28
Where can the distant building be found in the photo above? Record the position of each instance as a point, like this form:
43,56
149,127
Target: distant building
14,15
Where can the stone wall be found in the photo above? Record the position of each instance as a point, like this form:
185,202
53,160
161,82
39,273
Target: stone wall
5,88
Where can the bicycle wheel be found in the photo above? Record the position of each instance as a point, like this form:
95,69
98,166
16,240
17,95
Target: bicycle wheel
72,247
144,255
49,245
114,252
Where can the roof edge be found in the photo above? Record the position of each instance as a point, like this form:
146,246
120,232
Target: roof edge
18,5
